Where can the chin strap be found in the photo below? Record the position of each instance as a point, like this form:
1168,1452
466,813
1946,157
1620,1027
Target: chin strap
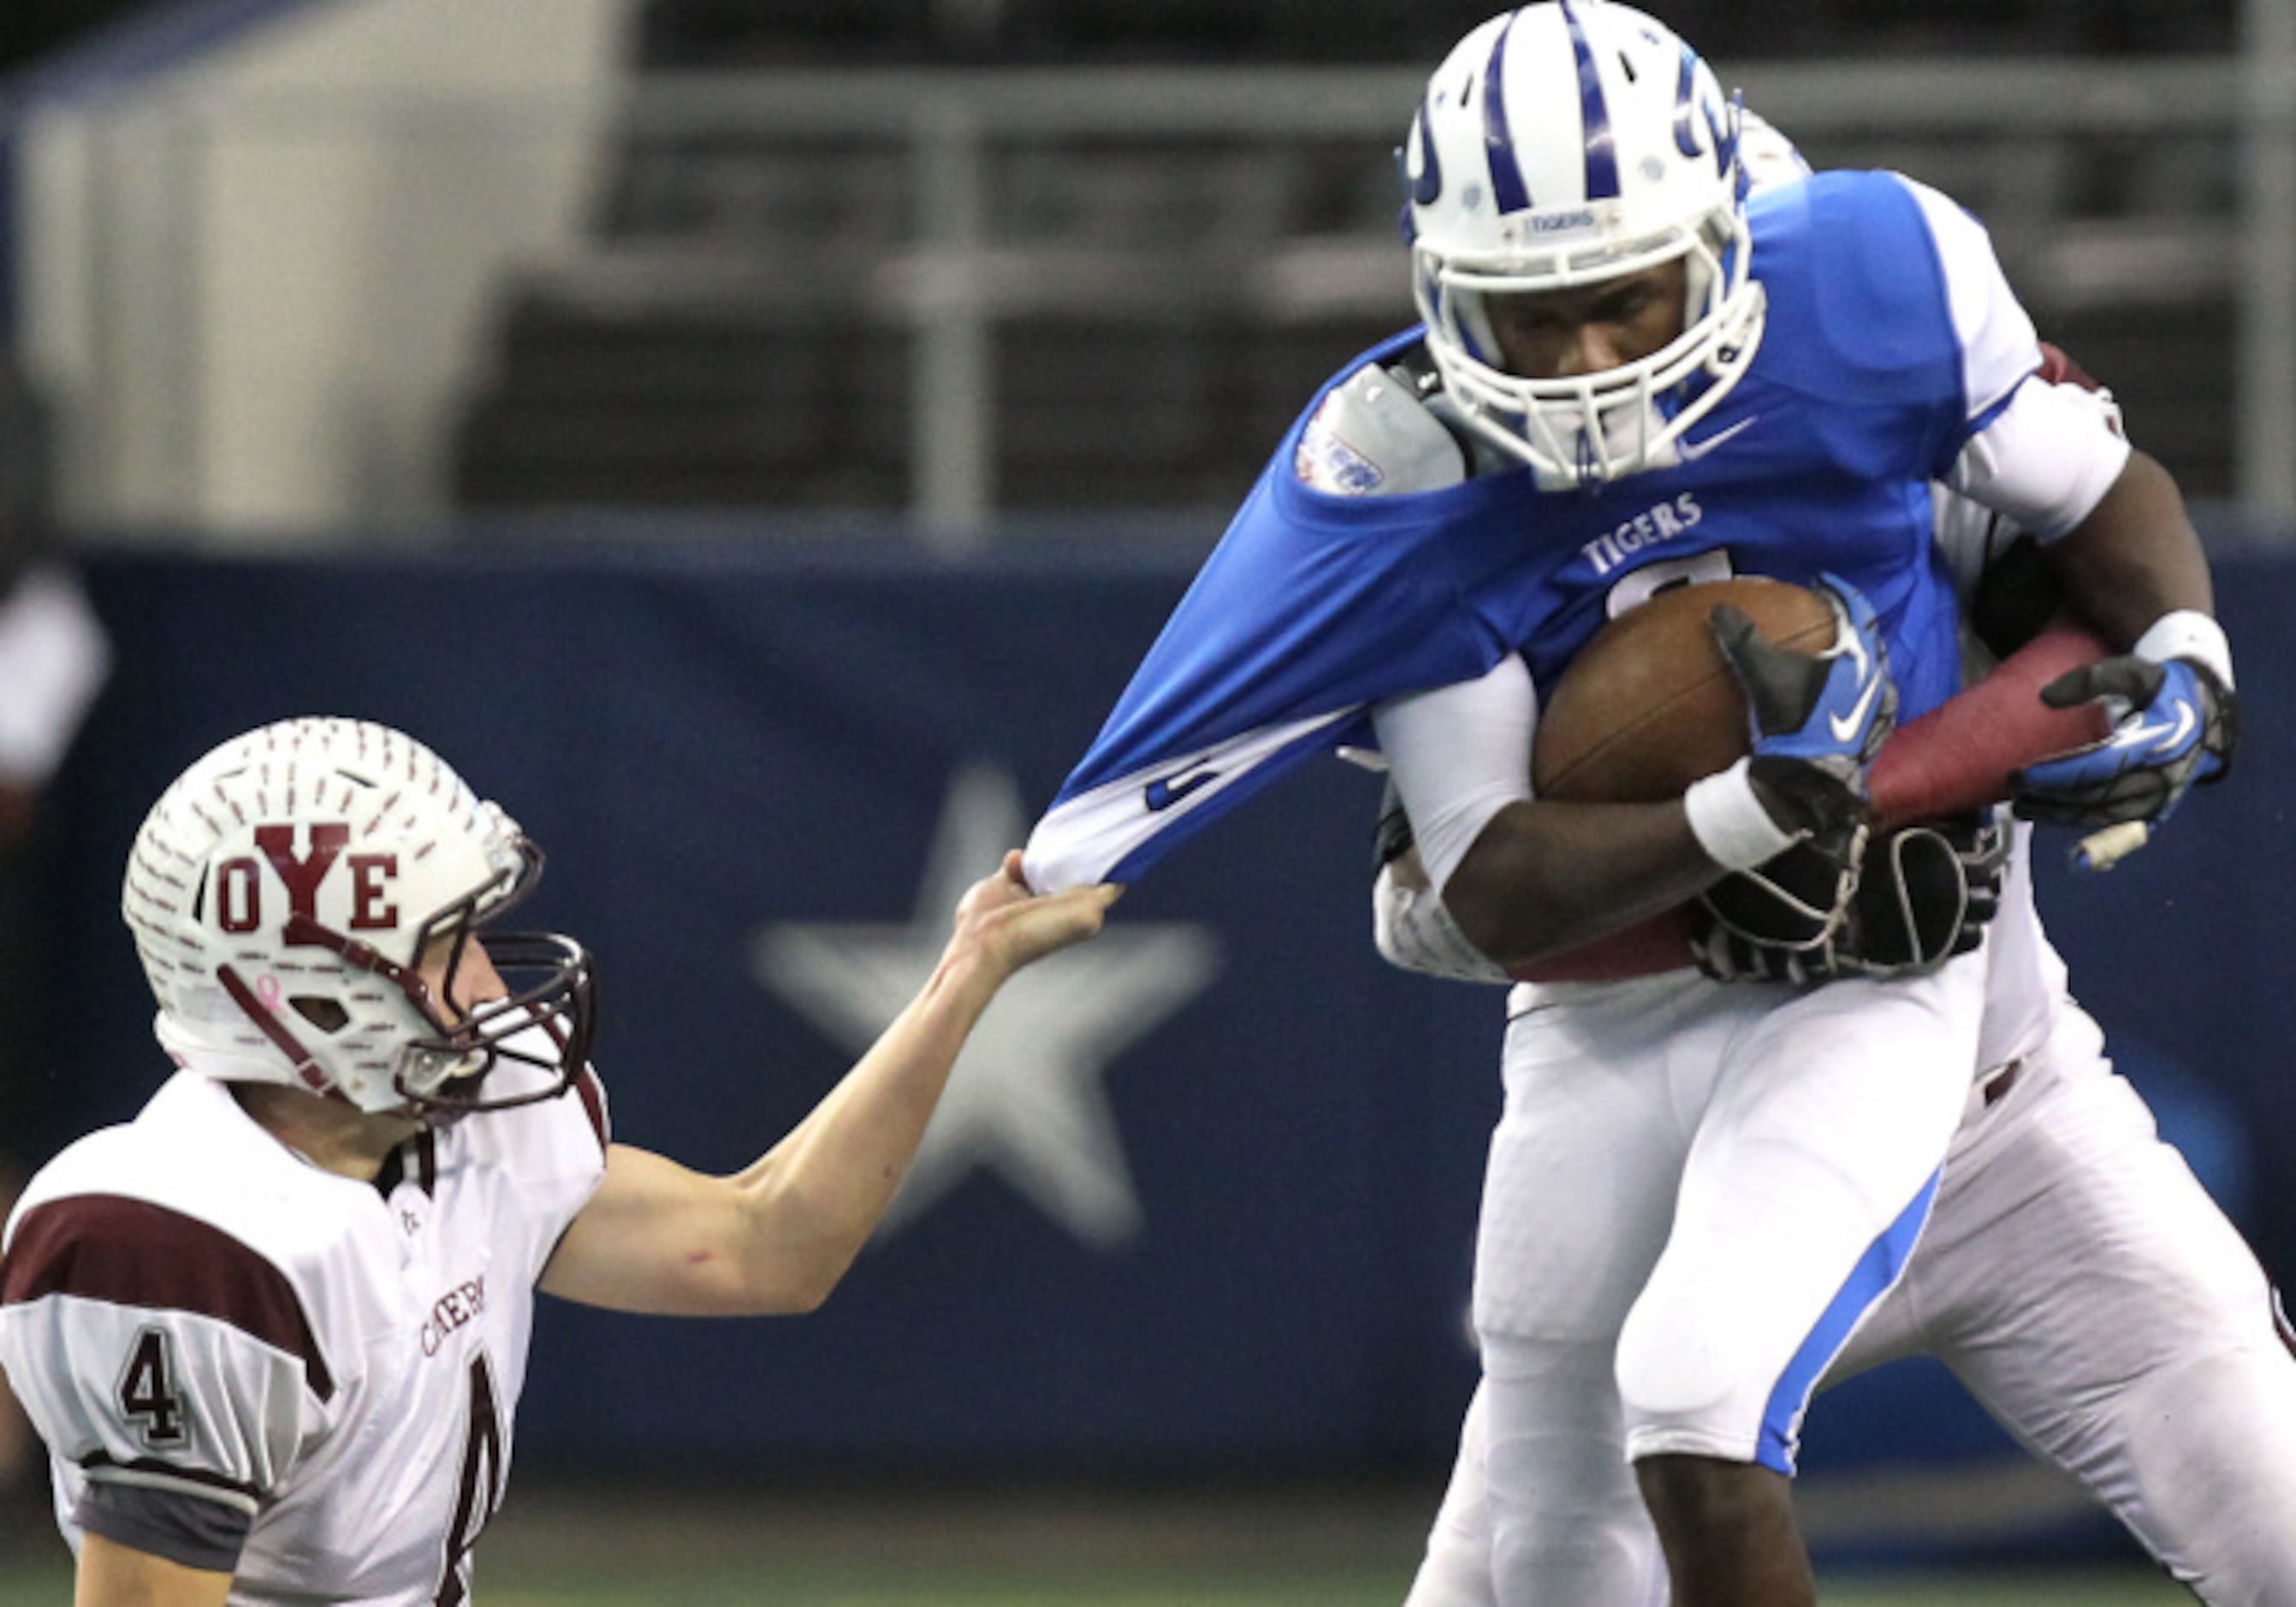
268,1022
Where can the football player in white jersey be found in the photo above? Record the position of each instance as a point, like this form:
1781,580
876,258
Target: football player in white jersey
274,1330
2073,1273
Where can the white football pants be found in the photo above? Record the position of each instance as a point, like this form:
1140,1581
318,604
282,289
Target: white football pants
1694,1191
2084,1287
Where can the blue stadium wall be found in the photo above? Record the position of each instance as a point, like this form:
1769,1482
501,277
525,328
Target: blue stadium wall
1220,1220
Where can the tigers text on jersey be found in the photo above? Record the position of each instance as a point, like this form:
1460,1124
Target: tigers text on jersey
1891,339
224,1345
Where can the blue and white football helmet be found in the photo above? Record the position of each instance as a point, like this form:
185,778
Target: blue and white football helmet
1559,145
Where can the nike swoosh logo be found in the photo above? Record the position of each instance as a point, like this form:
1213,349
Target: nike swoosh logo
1846,726
2170,735
1163,792
1690,452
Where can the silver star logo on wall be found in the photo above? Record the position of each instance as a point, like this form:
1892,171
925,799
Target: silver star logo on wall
1028,1098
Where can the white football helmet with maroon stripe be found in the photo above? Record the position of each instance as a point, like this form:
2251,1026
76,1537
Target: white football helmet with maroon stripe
283,894
1563,145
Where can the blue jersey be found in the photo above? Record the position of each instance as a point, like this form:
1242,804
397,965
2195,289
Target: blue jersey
1314,607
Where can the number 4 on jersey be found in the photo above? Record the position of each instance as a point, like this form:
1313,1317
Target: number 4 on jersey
479,1489
148,1395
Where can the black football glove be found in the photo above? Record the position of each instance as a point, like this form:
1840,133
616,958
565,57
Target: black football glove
1924,895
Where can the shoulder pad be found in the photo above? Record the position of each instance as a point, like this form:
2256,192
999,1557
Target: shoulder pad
1375,436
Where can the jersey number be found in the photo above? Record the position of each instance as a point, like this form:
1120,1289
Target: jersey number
148,1395
1639,586
481,1487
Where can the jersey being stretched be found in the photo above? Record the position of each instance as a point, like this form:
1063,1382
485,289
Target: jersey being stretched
248,1365
1892,338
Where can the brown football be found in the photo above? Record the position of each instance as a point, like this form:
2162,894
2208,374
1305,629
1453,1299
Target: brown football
1649,705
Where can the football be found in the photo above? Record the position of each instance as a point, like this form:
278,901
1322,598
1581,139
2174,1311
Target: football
1649,705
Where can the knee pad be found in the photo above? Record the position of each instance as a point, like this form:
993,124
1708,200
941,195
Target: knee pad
1692,1397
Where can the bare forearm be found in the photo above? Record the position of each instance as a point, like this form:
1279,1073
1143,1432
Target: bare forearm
1544,877
812,1203
777,1236
113,1575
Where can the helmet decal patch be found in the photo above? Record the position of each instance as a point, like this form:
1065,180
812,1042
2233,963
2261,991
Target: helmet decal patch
1509,193
1685,136
239,884
1595,115
1424,186
301,876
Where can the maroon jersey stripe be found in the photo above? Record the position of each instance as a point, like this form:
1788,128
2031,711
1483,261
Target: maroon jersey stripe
594,1103
168,1471
130,1252
587,1085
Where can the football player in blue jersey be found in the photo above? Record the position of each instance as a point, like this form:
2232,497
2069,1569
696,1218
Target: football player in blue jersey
1629,375
2074,1275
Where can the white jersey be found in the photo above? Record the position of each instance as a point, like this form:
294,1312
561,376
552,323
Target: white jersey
249,1365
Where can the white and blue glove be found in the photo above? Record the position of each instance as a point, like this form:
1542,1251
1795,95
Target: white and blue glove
2175,722
1817,720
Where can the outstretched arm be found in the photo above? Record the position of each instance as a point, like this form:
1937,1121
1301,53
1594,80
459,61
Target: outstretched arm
778,1235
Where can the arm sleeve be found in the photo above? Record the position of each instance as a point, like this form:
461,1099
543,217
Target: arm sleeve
167,1523
1458,755
2043,455
2045,460
1999,347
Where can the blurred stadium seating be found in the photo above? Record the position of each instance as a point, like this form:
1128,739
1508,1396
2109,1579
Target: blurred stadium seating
737,334
956,260
754,33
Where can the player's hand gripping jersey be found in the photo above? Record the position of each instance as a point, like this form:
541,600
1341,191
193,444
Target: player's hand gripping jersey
1894,354
274,1330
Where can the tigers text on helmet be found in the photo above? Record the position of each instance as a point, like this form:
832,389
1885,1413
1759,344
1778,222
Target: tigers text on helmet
284,893
1560,146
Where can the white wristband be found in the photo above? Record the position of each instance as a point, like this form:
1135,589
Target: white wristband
1730,822
2187,634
